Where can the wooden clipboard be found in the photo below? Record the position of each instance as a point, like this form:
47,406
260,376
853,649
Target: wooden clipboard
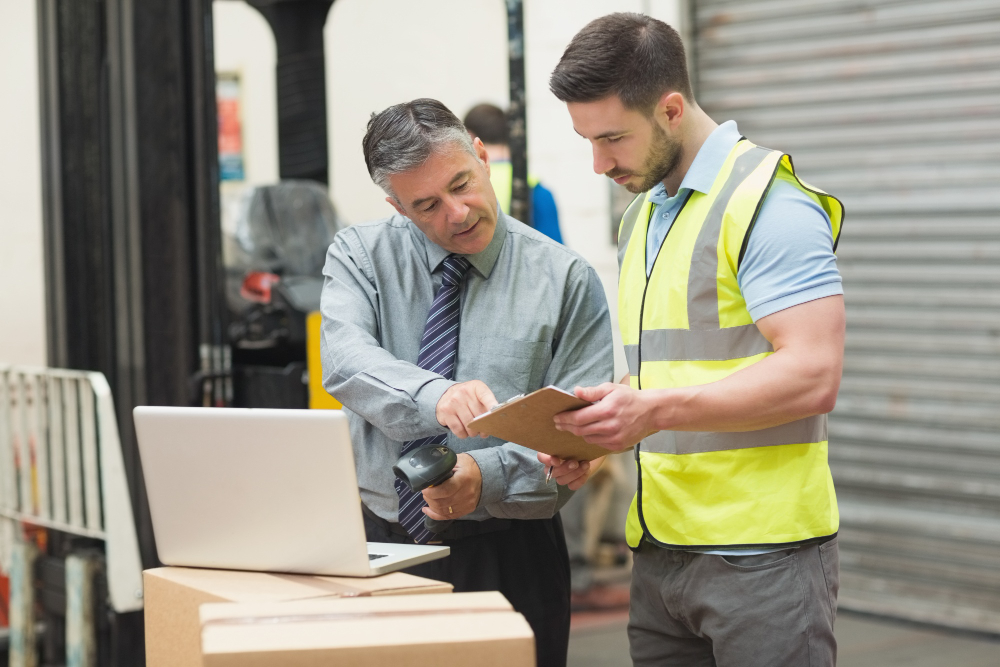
527,420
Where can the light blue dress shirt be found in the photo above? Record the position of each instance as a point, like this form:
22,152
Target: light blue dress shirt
533,314
789,258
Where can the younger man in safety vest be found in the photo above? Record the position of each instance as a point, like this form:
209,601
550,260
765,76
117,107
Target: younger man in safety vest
732,315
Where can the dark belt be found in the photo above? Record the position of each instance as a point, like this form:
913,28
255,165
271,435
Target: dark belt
456,530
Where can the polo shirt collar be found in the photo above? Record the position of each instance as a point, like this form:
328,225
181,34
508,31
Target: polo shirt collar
706,165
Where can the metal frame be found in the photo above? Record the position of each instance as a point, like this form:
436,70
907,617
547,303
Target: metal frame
517,123
63,469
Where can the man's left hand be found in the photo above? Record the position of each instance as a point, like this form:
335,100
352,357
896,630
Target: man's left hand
573,474
617,422
459,495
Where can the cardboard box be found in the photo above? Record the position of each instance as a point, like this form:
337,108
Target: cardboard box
173,595
478,629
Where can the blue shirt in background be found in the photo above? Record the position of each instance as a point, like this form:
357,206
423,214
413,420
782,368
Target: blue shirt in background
544,215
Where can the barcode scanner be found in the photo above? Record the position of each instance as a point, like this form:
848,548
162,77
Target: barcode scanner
425,467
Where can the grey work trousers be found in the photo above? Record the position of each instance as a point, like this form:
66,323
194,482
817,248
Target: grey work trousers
771,610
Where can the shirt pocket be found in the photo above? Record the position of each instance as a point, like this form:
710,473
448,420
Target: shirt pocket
513,366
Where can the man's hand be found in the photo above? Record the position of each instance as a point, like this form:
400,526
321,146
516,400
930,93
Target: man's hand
620,420
462,403
459,495
573,474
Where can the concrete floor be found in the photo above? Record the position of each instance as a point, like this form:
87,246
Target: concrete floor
864,641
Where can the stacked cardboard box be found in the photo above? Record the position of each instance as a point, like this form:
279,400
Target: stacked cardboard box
224,618
478,629
174,594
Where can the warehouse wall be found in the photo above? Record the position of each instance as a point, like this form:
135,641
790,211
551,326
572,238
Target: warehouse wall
386,51
452,49
22,292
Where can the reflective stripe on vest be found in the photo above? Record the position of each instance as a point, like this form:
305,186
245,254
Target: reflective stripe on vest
693,345
638,205
811,429
686,323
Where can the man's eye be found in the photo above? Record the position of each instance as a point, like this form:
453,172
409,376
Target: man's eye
463,186
430,208
612,140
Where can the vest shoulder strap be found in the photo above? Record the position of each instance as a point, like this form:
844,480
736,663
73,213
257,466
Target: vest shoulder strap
833,207
758,202
628,224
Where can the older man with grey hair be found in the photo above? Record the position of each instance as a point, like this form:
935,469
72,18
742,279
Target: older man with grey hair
429,317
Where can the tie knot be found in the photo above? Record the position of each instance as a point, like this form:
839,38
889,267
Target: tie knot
454,270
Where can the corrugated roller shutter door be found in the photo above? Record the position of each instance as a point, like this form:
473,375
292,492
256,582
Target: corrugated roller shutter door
894,107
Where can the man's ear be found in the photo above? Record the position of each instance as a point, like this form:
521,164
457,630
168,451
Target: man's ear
482,153
395,205
670,109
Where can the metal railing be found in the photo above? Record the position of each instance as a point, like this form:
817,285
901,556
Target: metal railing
61,467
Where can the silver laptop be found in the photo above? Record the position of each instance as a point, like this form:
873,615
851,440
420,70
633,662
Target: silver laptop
268,490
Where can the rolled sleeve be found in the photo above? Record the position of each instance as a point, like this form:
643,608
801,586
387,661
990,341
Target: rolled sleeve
491,467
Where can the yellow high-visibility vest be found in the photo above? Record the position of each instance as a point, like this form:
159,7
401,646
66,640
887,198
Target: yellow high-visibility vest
688,324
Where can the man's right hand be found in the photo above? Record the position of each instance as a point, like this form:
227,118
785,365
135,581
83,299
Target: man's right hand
462,403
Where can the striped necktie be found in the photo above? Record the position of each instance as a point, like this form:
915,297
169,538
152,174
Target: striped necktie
438,354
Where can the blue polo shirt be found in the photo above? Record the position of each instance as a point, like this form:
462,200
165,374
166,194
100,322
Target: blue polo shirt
789,259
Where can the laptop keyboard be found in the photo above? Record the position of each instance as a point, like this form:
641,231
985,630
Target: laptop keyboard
374,556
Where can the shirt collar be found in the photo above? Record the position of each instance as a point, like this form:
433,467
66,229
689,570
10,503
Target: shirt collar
482,261
707,163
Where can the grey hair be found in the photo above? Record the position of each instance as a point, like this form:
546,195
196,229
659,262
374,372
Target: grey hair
403,136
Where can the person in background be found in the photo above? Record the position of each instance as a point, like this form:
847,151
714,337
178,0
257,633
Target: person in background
489,124
429,316
731,310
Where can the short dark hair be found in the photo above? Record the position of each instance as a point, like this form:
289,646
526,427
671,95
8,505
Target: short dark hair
633,56
403,136
488,122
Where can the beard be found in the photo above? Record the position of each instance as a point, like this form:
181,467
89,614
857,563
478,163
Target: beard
663,157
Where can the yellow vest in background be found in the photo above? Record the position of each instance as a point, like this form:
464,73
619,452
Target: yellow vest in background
688,324
502,178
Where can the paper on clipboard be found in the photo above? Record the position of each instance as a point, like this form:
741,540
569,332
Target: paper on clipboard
527,420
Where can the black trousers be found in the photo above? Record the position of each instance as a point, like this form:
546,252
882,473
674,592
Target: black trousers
528,563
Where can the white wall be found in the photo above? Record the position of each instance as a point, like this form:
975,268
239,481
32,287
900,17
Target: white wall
380,52
244,44
22,286
556,153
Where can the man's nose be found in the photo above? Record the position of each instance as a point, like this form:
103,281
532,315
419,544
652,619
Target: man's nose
455,210
602,163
